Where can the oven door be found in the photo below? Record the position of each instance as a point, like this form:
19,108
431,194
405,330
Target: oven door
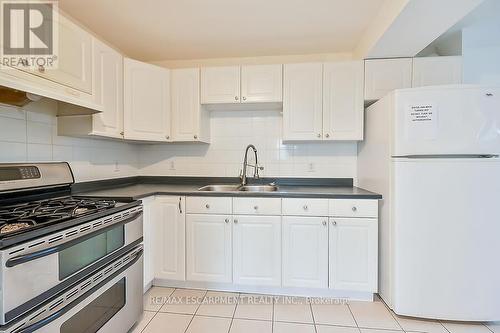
45,266
110,300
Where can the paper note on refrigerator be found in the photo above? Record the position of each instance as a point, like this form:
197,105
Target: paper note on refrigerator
422,121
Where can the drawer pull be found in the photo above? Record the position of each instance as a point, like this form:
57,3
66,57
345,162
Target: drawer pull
354,209
207,206
255,207
305,207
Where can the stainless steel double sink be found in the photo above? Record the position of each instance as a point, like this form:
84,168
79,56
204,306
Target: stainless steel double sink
239,188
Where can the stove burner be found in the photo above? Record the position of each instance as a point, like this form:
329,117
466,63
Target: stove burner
27,216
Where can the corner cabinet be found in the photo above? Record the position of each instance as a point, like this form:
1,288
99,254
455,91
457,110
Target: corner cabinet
209,248
147,102
108,90
323,101
169,239
353,254
189,121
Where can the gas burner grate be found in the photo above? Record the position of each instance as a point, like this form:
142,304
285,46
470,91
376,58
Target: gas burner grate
27,216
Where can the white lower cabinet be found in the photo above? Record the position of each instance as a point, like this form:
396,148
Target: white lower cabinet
169,237
353,254
209,248
257,250
305,252
148,230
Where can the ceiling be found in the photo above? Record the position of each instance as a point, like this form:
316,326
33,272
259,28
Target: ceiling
153,30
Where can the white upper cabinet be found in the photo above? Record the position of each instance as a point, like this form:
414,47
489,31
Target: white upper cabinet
431,71
147,101
209,248
343,100
353,254
261,83
74,67
257,250
220,85
169,232
384,75
305,252
302,101
189,121
107,90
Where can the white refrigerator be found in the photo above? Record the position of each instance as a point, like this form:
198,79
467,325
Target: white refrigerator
433,154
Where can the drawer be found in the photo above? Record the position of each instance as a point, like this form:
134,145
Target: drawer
354,208
208,205
257,206
305,207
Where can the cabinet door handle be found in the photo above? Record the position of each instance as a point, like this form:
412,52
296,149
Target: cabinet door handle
236,98
180,206
244,98
324,223
256,207
195,137
319,135
207,206
354,208
305,207
226,220
235,221
334,222
327,135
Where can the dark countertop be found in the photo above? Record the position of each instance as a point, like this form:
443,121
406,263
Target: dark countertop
141,187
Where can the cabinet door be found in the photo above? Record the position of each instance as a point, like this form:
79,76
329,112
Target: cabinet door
209,253
261,83
187,117
305,252
220,85
302,101
170,236
353,254
147,101
148,225
107,83
257,250
74,66
433,71
384,75
343,102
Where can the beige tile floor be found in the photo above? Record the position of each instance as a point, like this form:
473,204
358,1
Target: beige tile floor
197,315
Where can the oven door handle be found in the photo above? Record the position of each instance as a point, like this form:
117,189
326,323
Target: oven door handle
24,258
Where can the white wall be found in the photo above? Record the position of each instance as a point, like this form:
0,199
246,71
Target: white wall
32,136
231,132
26,135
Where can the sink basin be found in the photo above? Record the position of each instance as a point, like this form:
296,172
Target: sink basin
238,187
220,188
259,188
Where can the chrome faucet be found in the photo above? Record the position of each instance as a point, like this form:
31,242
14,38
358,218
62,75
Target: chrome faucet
256,167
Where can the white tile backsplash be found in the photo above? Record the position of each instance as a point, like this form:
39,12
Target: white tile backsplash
231,132
30,134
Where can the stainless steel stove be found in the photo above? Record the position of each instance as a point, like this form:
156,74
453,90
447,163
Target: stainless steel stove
68,263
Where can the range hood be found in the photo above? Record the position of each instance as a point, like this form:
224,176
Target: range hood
17,92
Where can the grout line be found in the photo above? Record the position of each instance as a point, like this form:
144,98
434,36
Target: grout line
192,318
234,311
145,326
312,315
353,317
